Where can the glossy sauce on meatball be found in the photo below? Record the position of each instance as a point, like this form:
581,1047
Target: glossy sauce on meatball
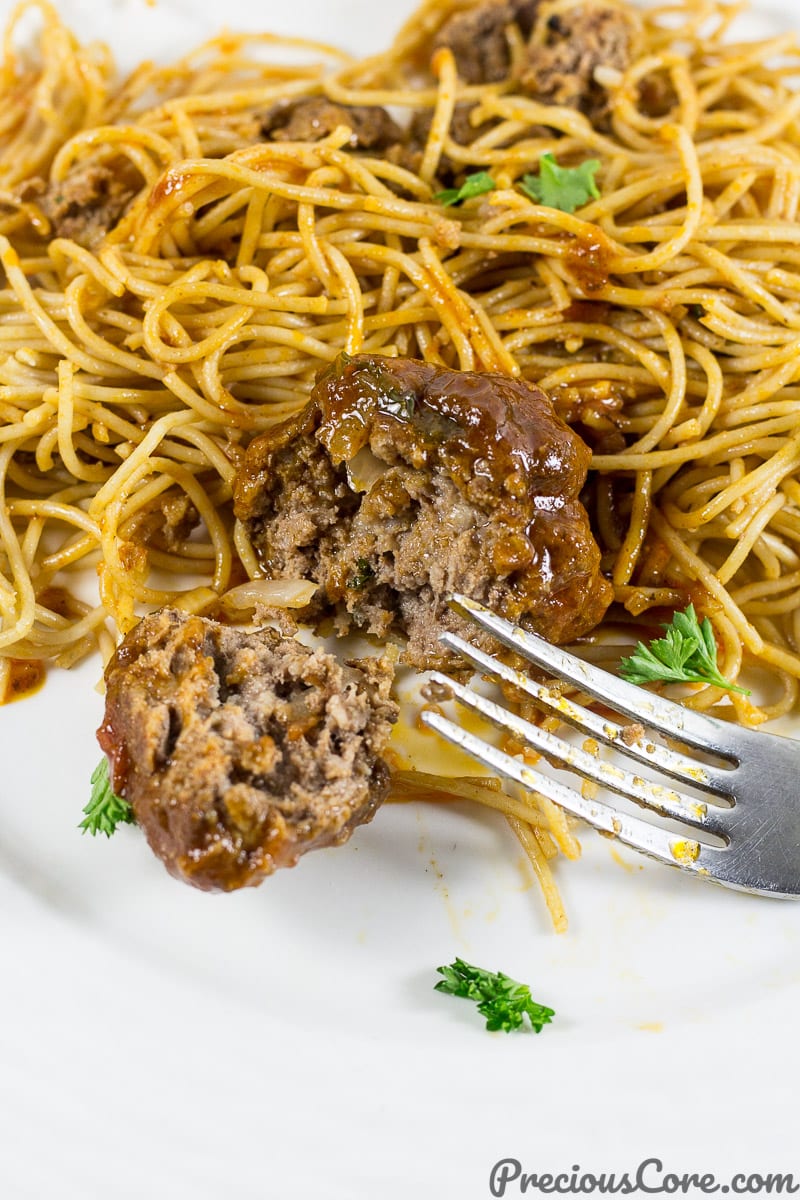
401,482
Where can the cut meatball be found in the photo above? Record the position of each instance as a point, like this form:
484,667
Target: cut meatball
562,68
310,120
401,482
239,751
477,38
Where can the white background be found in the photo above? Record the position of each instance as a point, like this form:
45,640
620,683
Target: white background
286,1042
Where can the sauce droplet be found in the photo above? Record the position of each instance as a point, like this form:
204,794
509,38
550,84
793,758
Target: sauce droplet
24,677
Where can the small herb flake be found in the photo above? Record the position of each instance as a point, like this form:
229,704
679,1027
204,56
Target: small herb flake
686,654
564,188
474,185
362,576
501,1000
397,403
105,810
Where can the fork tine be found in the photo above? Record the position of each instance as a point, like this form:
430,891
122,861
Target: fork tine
665,801
679,766
686,853
653,711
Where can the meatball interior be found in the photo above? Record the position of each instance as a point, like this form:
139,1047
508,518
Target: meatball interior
239,751
401,482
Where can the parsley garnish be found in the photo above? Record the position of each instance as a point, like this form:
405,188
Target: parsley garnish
500,999
362,576
397,403
106,810
473,185
565,188
686,654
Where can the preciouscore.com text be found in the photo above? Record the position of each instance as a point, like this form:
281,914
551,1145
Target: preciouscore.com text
650,1178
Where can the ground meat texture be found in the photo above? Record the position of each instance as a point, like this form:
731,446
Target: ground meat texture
165,522
239,751
310,120
478,39
449,172
401,482
561,68
461,131
87,203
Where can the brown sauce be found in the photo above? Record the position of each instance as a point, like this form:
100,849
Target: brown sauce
587,312
116,750
589,258
59,601
468,421
25,676
170,184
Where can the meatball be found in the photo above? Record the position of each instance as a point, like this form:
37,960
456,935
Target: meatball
239,751
461,131
477,37
561,68
311,119
86,204
401,482
564,48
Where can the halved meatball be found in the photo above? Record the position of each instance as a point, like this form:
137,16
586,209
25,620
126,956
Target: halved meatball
239,751
401,482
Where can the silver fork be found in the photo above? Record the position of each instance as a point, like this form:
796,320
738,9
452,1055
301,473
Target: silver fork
753,802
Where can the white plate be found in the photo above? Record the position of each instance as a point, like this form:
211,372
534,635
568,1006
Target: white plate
286,1042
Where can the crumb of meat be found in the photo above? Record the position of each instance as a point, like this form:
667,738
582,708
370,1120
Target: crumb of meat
447,234
633,733
239,751
281,619
87,203
461,131
310,120
165,522
436,693
478,41
563,65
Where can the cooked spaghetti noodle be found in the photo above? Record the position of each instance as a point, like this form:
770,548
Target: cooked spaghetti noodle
663,317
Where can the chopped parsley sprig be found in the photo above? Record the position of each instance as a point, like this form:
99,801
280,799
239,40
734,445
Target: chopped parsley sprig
105,810
474,185
564,188
502,1000
362,575
686,654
